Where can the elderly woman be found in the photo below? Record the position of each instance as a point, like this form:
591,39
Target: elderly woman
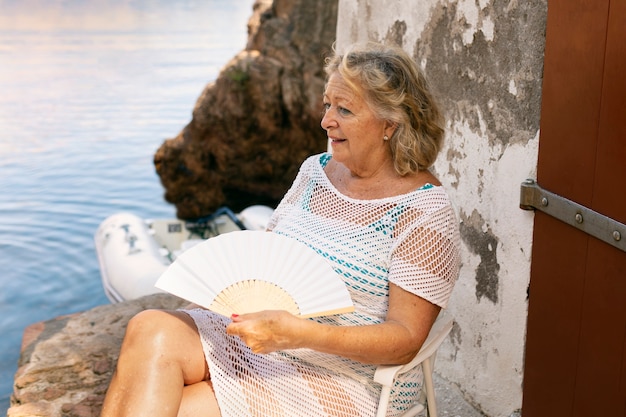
374,210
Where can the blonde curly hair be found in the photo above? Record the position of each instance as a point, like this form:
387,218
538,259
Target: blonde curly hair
396,90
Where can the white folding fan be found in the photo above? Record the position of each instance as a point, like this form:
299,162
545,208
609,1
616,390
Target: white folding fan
248,271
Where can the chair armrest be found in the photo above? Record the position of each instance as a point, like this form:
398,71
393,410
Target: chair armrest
386,374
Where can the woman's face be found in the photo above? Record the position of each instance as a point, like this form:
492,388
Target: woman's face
355,133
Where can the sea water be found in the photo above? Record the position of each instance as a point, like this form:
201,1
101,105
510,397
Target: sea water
88,91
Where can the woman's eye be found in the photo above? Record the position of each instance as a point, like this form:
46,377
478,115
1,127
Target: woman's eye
341,110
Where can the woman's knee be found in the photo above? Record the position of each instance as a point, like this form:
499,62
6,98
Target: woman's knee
166,338
144,323
158,328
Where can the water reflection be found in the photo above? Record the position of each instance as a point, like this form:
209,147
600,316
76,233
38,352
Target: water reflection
88,91
119,15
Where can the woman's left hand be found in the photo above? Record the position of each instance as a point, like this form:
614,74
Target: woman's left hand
267,331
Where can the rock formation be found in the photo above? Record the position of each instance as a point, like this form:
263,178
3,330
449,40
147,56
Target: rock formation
67,362
256,123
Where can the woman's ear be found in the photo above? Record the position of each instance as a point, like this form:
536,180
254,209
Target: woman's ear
390,128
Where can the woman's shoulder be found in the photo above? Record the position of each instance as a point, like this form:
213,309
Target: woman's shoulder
316,162
320,159
428,193
431,203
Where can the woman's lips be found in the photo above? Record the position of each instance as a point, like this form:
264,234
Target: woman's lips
336,140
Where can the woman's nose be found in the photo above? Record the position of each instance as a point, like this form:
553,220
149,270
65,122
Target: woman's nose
328,121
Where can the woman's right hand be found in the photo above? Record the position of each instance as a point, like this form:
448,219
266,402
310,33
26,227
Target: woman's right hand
267,331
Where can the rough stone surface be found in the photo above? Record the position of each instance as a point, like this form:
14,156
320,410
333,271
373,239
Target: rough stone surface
66,363
254,125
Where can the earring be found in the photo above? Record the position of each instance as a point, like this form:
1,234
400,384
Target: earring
385,138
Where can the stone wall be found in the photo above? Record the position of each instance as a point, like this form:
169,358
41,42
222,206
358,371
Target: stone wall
485,59
67,362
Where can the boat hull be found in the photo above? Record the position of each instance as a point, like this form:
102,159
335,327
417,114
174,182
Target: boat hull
129,257
134,252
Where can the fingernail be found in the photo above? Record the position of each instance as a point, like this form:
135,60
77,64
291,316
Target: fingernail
235,315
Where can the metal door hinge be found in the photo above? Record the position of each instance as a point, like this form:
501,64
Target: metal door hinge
533,197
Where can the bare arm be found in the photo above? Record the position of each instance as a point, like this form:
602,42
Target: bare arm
396,341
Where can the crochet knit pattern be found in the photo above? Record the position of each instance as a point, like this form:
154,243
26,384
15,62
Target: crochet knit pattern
410,240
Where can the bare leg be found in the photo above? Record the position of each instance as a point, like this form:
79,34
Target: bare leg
160,355
198,400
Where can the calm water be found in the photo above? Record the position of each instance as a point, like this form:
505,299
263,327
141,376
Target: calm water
88,91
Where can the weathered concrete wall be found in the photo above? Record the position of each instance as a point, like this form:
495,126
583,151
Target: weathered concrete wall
485,59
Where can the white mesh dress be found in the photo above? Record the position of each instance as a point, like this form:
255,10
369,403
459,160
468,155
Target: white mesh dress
411,240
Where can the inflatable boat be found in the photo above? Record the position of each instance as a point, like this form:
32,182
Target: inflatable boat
133,252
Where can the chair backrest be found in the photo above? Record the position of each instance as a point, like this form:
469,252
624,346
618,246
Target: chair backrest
386,374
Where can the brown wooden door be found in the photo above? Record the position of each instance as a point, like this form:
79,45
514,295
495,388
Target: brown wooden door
575,362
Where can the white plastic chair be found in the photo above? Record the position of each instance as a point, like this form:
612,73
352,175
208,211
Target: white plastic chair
386,374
